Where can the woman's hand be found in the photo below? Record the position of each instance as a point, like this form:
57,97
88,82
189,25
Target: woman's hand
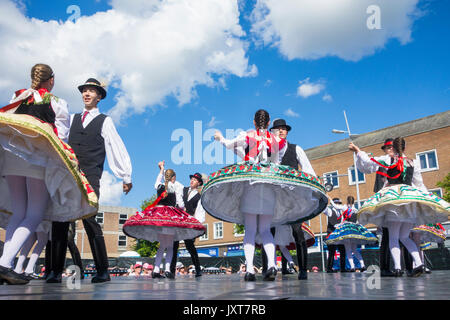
218,135
353,147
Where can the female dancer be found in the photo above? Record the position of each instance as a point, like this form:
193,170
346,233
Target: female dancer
350,234
164,221
402,204
425,234
42,176
259,193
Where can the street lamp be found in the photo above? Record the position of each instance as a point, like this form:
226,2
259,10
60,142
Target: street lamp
351,136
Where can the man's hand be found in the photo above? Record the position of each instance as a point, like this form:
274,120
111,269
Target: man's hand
127,187
161,165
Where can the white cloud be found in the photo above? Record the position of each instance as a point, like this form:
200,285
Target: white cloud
268,83
111,190
213,122
327,98
291,113
307,89
304,29
148,50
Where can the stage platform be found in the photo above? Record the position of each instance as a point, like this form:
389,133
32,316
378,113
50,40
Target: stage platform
347,286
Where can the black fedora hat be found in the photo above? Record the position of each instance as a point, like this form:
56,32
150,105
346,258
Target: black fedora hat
197,176
337,200
91,82
388,142
280,123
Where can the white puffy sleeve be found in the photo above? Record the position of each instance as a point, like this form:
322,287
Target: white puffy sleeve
304,161
239,141
159,180
179,194
62,119
200,213
417,180
327,212
365,165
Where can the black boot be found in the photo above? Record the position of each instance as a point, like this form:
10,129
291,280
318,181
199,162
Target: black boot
100,260
11,277
270,274
249,277
58,252
302,275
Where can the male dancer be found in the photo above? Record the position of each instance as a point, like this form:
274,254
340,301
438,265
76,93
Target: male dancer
93,137
333,218
191,197
294,156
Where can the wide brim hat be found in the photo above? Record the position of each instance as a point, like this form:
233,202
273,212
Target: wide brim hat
387,143
280,123
197,176
91,82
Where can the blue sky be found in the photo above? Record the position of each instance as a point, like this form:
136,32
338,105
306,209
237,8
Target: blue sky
402,81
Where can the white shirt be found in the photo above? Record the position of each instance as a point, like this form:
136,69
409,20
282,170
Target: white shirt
116,153
62,119
177,187
301,158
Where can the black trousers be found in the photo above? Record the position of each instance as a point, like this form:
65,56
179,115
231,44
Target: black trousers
60,231
189,243
331,251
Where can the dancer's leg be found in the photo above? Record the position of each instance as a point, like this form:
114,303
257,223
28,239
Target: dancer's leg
24,253
348,251
42,238
405,230
286,254
357,254
37,199
394,232
267,239
249,240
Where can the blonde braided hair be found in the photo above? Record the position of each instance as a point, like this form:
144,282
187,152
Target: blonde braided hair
40,73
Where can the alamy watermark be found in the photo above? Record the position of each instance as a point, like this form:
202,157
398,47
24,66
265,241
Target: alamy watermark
373,22
75,12
374,280
73,281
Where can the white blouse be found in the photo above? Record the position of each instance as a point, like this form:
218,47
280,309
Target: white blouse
116,153
173,187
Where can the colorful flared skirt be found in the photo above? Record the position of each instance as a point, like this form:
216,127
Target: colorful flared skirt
350,231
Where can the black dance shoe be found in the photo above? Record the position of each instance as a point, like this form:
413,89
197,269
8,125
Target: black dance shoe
352,270
362,269
102,276
157,275
416,272
427,271
331,271
270,274
198,274
11,277
303,275
387,273
169,275
250,277
398,273
54,277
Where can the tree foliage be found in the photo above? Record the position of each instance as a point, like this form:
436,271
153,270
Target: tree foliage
445,184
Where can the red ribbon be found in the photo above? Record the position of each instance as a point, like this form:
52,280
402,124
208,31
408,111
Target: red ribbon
346,214
399,165
155,203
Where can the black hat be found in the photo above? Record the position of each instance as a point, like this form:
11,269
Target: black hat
280,123
91,82
197,176
387,142
337,200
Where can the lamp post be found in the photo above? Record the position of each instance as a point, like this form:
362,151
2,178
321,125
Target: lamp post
351,136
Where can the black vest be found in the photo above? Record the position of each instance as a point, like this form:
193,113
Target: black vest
379,180
190,205
88,145
290,157
43,112
332,221
407,179
170,200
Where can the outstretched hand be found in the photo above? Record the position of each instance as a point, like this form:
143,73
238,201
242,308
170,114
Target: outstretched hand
218,135
353,147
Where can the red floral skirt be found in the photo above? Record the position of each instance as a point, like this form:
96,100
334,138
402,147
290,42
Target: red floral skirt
163,220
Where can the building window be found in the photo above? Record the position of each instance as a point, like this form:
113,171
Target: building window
122,241
218,230
123,217
428,160
437,192
205,236
332,177
99,217
351,176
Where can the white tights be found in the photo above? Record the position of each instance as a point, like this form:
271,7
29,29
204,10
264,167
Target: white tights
400,231
260,223
41,238
285,252
416,239
29,198
350,250
165,242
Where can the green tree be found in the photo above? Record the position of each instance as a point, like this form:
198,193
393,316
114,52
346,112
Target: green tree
143,247
445,184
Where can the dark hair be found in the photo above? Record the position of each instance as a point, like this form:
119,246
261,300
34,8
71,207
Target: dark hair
262,119
350,200
399,145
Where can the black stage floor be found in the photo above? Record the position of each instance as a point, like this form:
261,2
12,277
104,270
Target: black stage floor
347,286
